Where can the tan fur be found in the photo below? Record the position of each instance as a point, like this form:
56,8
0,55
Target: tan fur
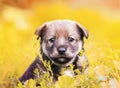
61,30
61,42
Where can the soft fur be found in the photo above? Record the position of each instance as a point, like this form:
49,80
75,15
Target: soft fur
61,42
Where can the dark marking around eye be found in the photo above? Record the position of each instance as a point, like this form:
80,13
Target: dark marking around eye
52,40
70,39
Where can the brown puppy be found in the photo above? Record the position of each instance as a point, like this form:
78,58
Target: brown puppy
61,43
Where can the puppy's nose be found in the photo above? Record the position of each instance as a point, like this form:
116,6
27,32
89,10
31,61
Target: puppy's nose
61,50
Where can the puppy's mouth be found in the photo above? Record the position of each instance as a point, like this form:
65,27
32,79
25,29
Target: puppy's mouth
62,60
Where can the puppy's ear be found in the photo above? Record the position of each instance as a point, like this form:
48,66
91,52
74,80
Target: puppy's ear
39,31
82,30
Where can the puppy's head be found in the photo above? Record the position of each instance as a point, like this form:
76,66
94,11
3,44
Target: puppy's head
61,40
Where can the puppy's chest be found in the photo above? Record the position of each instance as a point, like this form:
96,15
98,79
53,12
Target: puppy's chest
68,71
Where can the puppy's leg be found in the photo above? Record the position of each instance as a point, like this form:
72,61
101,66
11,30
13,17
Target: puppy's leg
82,64
30,74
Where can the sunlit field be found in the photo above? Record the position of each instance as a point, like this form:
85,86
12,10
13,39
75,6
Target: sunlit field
19,46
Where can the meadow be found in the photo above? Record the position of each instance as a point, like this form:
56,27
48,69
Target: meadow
19,46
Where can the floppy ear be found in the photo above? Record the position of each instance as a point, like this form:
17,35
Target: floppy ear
83,30
39,31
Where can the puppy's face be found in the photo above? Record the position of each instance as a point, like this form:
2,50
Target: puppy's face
61,41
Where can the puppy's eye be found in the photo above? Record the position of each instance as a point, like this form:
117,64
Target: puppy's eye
70,39
51,40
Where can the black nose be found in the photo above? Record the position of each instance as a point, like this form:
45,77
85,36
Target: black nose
61,50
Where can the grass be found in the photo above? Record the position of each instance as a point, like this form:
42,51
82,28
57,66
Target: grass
19,46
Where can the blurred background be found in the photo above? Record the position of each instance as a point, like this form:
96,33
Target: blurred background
20,18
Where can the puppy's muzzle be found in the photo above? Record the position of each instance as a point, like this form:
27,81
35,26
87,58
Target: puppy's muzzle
61,50
62,60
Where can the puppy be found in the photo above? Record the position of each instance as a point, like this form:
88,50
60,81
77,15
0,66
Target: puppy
61,43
